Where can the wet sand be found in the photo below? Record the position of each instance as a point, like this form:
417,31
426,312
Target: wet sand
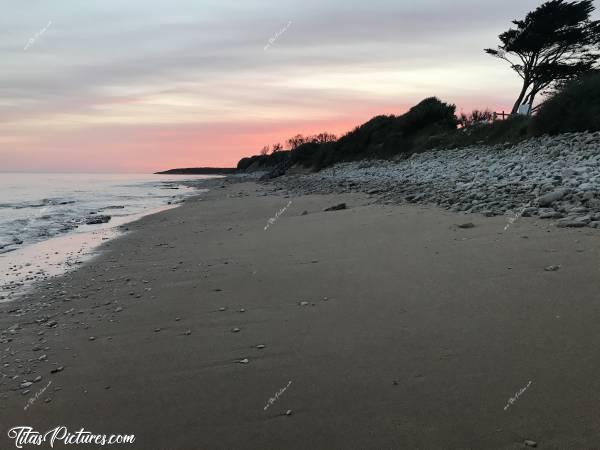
395,327
22,268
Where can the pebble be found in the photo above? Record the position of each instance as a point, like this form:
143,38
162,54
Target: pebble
551,268
57,369
466,225
547,176
92,338
244,361
260,346
337,207
530,443
235,330
188,332
289,412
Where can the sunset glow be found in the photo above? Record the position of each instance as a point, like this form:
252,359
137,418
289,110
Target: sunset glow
144,87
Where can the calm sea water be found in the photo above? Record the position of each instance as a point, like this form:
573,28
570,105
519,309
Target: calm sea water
36,207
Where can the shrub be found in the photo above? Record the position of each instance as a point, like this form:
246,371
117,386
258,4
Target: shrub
576,107
476,117
429,112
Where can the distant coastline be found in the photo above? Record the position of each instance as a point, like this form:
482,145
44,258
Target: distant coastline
199,171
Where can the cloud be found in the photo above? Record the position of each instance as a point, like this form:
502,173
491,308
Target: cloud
115,68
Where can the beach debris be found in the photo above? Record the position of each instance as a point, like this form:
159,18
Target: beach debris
289,412
260,346
177,319
223,308
573,223
242,310
303,303
466,226
97,220
338,207
235,330
243,361
551,268
530,443
187,332
156,330
92,338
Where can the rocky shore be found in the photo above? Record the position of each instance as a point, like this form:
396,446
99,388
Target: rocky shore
549,177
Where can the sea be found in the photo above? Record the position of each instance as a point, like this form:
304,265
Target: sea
35,207
54,214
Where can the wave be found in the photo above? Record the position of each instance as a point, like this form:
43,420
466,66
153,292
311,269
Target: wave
38,203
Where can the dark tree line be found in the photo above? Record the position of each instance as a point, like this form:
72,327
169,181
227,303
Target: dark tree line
296,141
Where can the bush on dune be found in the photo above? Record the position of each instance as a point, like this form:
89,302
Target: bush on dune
429,112
574,108
512,130
386,136
432,124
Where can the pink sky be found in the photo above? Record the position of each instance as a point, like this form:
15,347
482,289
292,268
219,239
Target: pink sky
141,87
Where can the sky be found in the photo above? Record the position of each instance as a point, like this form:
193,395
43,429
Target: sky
141,86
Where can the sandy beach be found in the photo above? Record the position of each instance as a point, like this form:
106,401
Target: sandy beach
374,327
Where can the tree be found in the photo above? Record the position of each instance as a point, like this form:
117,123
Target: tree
324,138
265,150
554,43
296,141
277,147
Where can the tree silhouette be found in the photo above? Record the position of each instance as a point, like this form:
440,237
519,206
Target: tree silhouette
555,43
296,141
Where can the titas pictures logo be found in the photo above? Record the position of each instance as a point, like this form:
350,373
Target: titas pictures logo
24,435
